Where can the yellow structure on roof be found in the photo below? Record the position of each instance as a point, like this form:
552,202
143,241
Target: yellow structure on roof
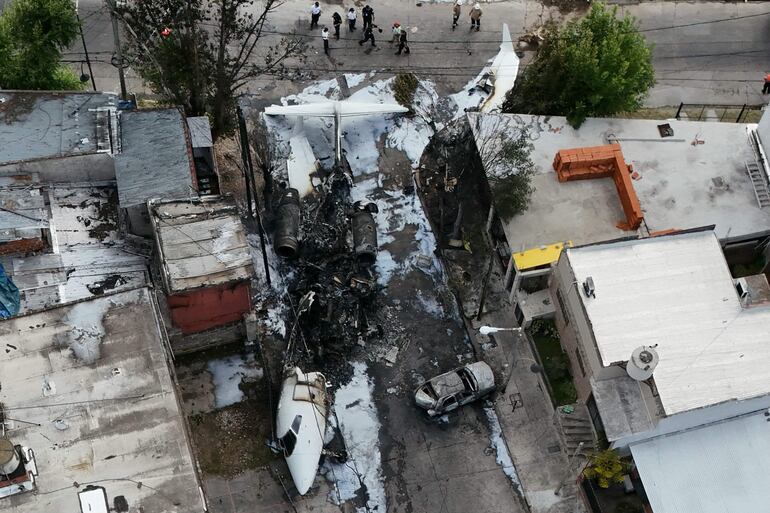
536,257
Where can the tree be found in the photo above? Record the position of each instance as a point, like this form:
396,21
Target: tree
597,66
505,151
32,35
606,467
199,54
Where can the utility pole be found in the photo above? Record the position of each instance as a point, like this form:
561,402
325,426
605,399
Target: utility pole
118,49
85,50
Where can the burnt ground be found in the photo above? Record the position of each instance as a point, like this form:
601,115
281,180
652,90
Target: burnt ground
441,465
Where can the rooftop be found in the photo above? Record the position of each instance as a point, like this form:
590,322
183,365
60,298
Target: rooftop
676,291
696,178
155,159
202,243
720,468
35,125
92,385
87,256
23,212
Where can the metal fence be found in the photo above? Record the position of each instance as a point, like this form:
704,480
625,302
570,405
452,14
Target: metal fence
726,113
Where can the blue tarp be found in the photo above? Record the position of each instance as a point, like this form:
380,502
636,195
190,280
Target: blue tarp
10,301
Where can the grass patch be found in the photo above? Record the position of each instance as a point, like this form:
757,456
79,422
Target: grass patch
749,269
404,87
555,361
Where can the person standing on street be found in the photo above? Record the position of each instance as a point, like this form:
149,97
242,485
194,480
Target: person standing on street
352,19
396,33
402,43
325,37
369,34
766,88
337,22
456,13
475,15
315,15
367,13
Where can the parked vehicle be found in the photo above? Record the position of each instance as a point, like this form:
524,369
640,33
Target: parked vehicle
455,388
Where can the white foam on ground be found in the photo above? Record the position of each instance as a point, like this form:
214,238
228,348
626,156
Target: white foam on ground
227,373
501,449
430,305
360,427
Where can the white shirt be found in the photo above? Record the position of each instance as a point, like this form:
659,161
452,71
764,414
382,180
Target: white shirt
315,9
325,34
352,15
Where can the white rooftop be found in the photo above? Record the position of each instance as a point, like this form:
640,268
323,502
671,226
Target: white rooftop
720,468
94,375
695,178
676,291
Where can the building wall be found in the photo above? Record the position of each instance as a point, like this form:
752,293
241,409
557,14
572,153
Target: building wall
574,331
93,167
696,418
207,308
22,246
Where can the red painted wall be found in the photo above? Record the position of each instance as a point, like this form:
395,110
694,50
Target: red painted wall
207,308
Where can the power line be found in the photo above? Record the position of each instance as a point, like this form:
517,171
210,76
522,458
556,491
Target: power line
696,23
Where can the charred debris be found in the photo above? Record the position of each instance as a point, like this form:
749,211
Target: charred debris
328,245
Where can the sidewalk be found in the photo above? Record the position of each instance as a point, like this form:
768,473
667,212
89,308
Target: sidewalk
525,410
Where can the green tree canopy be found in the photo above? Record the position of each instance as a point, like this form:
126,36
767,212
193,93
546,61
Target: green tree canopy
32,35
596,66
606,468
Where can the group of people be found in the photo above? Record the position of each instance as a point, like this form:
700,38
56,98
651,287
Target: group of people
367,14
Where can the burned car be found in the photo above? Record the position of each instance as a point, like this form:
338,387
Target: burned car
455,388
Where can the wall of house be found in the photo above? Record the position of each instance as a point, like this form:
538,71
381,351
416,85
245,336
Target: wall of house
94,167
209,307
575,331
695,418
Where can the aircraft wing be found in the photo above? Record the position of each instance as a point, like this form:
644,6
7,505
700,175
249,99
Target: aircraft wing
330,108
323,109
350,108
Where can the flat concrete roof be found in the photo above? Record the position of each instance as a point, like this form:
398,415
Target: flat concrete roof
719,468
695,178
44,124
202,243
94,375
676,292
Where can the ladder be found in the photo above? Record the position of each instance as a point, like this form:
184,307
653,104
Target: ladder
761,190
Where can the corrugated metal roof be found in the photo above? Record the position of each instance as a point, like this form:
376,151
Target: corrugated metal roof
676,291
154,161
200,132
36,125
202,243
721,468
99,405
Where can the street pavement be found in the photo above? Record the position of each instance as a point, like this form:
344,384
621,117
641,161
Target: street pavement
696,60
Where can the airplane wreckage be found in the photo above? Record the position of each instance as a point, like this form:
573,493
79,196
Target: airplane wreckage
333,276
324,262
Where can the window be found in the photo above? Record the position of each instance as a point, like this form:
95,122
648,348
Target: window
288,442
296,424
563,309
580,362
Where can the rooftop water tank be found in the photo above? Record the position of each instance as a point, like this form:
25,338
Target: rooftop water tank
643,361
